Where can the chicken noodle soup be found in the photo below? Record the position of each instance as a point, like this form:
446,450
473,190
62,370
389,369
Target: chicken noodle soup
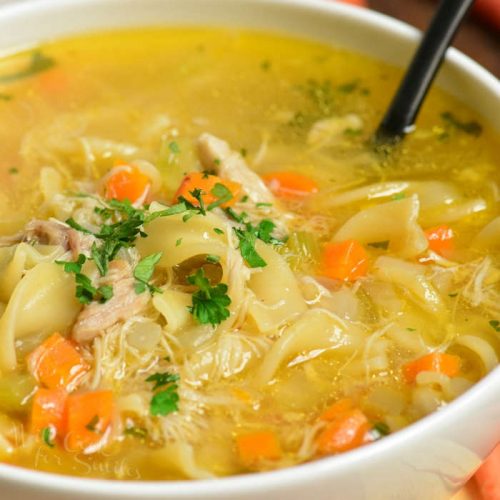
207,268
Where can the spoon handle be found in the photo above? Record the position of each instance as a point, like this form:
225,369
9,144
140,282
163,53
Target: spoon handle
405,105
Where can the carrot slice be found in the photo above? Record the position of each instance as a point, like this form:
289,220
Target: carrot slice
54,81
440,362
206,183
441,239
345,261
258,446
56,363
343,433
336,409
127,182
290,184
88,419
47,411
488,478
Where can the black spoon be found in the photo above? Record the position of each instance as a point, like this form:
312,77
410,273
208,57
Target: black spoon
411,93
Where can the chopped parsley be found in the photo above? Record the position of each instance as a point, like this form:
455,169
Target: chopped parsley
210,303
382,245
47,436
217,230
161,379
222,193
262,204
411,329
495,324
243,152
174,147
164,401
137,432
349,87
265,65
13,170
398,196
472,127
86,292
212,259
380,429
92,425
5,97
38,63
248,235
144,271
178,242
453,295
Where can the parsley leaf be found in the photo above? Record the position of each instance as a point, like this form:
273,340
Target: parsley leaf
209,302
46,435
472,128
92,425
144,271
247,239
39,62
161,379
495,324
383,245
138,432
165,402
222,193
213,259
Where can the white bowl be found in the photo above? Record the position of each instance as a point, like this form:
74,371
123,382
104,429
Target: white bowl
429,460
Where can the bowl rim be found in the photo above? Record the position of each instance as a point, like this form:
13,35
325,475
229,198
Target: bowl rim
300,473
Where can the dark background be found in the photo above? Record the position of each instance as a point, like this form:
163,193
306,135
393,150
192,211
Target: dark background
475,38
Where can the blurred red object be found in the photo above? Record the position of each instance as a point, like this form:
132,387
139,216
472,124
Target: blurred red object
361,3
488,11
488,477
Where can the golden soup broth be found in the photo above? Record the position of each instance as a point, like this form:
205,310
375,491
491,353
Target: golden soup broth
268,372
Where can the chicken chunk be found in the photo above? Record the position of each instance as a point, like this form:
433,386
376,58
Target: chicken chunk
95,318
216,153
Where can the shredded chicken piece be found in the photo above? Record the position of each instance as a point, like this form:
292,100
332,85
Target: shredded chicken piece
216,153
52,232
125,303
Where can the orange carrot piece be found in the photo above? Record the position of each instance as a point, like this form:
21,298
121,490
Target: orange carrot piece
488,477
447,364
88,419
345,432
290,185
441,239
206,182
258,446
54,81
127,182
345,261
47,411
56,363
336,409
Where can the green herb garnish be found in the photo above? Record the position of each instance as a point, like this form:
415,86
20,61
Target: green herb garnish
39,62
174,147
222,193
6,97
143,273
161,379
212,259
92,425
495,324
138,432
381,429
398,196
165,402
46,435
217,230
472,128
210,303
383,245
13,170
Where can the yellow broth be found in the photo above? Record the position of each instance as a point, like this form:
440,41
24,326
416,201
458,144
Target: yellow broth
125,96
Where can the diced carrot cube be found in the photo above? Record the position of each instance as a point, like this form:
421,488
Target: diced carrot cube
290,184
344,261
344,433
448,364
258,446
47,411
88,419
56,363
